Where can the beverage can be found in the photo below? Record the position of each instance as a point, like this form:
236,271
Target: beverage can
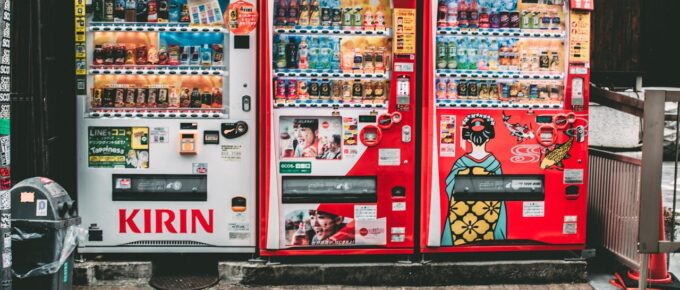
185,98
141,97
336,90
291,91
141,55
462,89
484,90
452,89
280,89
173,99
162,97
368,92
218,54
505,19
514,19
441,89
131,97
206,100
195,98
97,95
98,55
303,90
472,90
151,100
120,97
314,89
325,90
217,98
109,97
357,91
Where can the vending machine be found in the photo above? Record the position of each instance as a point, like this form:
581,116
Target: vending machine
505,125
337,141
167,125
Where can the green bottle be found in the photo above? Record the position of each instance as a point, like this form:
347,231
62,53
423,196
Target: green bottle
451,50
441,54
280,53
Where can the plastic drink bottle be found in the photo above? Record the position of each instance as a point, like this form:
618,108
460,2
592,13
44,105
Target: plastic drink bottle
462,14
441,13
279,53
441,53
303,54
379,19
130,11
314,13
451,50
452,13
335,62
461,54
368,20
304,13
473,14
314,53
472,54
336,14
325,14
325,54
293,13
484,19
357,21
281,13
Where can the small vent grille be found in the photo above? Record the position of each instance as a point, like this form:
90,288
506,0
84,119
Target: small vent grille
180,243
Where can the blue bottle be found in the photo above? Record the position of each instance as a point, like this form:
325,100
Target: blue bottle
313,53
325,55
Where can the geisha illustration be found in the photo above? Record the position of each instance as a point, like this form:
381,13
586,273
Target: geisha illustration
474,221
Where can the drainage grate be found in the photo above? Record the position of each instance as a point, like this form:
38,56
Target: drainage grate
188,282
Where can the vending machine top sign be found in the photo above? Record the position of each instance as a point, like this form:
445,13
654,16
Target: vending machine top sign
166,126
506,125
337,153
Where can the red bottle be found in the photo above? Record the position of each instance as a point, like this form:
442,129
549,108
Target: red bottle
441,13
293,13
281,13
484,19
473,14
462,14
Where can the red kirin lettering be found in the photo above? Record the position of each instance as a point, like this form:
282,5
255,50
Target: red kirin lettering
162,221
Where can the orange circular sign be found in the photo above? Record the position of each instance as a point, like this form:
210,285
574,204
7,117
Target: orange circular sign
241,17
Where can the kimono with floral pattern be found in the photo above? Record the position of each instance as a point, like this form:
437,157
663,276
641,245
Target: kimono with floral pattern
473,221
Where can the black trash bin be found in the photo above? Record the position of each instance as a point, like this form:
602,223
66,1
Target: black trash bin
45,229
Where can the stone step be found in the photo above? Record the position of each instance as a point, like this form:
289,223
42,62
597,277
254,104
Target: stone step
537,272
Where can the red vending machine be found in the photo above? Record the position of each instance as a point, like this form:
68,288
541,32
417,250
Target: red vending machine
505,125
338,108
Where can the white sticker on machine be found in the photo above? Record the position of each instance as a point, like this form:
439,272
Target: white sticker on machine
365,212
41,207
232,152
8,240
398,206
371,232
398,234
573,176
533,209
239,227
569,229
389,157
6,259
159,135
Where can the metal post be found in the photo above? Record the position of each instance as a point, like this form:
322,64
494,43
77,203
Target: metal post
650,185
642,284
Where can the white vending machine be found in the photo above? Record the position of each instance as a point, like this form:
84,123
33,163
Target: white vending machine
166,125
